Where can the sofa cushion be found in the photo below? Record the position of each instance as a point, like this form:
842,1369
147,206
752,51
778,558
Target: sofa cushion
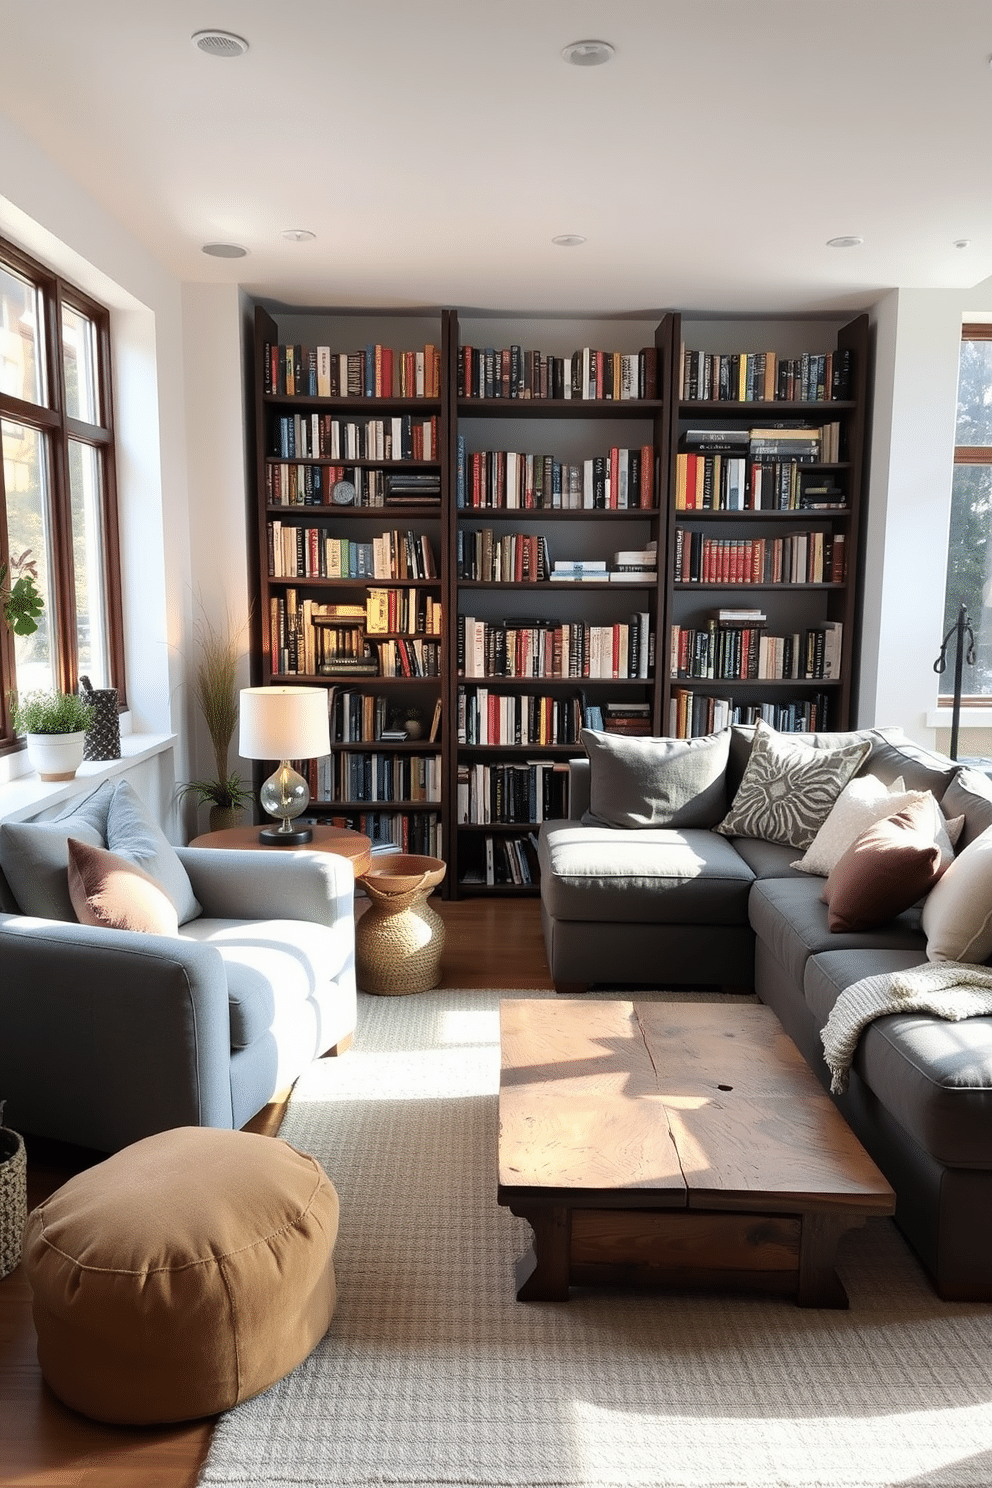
789,916
957,916
969,794
655,782
890,866
274,969
108,890
35,854
789,787
660,875
767,859
133,834
932,1075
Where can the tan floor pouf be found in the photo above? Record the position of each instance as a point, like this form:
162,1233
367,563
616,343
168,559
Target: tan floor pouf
182,1275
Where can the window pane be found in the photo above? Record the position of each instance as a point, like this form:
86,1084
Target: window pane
969,576
87,558
975,394
21,364
79,361
25,470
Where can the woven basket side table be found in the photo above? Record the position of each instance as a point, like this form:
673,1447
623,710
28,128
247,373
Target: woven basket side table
399,940
13,1196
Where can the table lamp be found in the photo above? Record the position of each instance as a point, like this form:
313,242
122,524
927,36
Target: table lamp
284,723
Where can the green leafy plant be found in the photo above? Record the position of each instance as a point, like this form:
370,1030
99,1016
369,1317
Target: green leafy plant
20,600
53,712
215,687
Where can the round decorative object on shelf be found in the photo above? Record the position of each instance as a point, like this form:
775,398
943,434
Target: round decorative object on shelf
343,493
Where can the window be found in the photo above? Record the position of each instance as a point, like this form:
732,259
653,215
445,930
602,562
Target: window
58,513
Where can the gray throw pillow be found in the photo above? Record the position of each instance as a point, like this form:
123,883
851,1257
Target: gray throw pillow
789,788
654,782
34,855
132,834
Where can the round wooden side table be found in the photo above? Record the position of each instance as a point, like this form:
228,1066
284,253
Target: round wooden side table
399,939
339,840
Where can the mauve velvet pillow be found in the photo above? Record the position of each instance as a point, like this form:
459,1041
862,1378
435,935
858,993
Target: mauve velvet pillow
890,866
110,891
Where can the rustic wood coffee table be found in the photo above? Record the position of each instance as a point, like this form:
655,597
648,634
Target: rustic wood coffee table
681,1144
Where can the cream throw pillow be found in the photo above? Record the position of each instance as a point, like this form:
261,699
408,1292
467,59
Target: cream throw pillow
957,913
863,802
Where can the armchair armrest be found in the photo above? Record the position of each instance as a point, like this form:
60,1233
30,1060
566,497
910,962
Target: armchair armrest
244,884
110,1035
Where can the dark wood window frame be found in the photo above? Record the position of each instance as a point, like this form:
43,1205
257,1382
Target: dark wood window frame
57,428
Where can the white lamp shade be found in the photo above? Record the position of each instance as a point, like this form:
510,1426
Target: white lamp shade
279,723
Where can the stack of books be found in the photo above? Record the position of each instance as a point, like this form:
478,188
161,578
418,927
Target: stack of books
636,565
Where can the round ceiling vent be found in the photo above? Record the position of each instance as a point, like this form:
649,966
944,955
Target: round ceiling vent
588,53
224,250
219,43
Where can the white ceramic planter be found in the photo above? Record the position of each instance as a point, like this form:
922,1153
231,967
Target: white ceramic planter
56,756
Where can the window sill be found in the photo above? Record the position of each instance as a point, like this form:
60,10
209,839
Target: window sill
24,795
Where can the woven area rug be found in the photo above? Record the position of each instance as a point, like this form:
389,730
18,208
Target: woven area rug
432,1373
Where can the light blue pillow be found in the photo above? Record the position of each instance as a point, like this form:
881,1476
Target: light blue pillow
133,834
34,855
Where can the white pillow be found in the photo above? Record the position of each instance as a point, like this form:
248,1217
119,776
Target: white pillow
957,912
862,803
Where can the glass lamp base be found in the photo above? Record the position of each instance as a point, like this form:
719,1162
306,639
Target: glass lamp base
285,795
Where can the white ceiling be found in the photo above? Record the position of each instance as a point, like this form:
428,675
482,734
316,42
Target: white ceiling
435,147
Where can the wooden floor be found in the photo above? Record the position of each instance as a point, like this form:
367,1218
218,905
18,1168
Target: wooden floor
489,943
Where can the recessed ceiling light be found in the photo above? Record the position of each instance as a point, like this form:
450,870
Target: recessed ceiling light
224,250
568,240
219,43
588,53
963,243
299,235
851,242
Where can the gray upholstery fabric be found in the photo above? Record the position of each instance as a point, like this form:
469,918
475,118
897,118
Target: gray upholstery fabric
767,859
934,1076
969,794
35,857
660,874
788,915
638,782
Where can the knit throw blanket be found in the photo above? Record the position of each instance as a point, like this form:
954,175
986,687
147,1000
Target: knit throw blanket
948,989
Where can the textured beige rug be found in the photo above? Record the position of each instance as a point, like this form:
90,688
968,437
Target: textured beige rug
432,1373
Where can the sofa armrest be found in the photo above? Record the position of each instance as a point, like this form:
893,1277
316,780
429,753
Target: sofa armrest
248,884
578,788
110,1035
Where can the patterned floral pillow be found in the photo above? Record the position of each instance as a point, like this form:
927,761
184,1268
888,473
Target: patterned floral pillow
789,787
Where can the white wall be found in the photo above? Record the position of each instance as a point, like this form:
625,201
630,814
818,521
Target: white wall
47,213
917,335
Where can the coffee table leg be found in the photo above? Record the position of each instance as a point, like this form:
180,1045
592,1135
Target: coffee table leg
819,1284
543,1273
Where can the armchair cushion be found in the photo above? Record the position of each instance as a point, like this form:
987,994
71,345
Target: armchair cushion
35,855
108,890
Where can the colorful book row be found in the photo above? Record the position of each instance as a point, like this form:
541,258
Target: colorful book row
692,714
796,558
373,371
745,653
513,372
621,479
544,648
511,794
766,377
318,436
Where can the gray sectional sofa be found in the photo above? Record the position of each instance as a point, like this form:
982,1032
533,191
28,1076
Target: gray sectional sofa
628,902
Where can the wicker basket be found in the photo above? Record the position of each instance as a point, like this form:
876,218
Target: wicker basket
13,1196
400,938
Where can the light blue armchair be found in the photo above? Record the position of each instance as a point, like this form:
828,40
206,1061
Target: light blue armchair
107,1036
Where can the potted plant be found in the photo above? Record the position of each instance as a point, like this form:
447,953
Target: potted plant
54,724
215,687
